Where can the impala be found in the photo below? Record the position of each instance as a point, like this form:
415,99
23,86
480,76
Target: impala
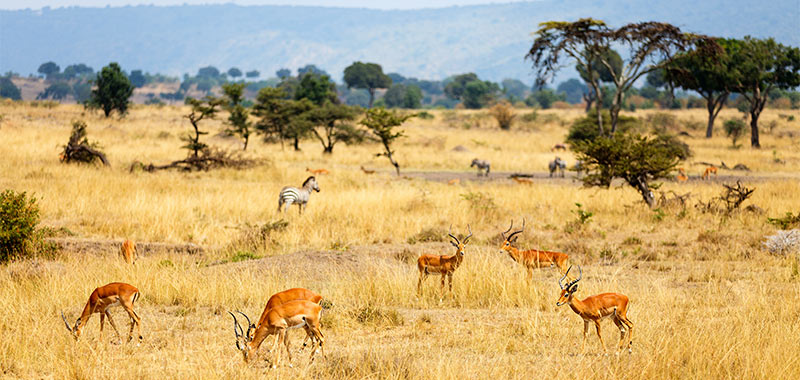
445,265
367,171
281,298
523,181
279,319
533,258
317,171
681,177
708,171
128,251
103,298
596,308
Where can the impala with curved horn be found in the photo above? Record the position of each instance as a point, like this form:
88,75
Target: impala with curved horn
533,258
445,265
279,319
281,298
596,308
103,298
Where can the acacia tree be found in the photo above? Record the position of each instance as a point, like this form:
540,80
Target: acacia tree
237,121
113,89
206,108
599,73
383,124
758,67
368,76
330,125
281,118
708,76
584,41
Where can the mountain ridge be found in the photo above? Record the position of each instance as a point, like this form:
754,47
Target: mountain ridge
490,39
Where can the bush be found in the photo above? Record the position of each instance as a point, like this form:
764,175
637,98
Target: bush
786,222
503,112
735,129
586,128
19,216
783,242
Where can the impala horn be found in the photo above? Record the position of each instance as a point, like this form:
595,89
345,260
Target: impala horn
466,239
236,328
250,325
503,234
449,233
562,278
65,322
580,275
516,232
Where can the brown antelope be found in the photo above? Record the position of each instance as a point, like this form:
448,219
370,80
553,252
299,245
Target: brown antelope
281,298
279,319
533,258
681,175
523,181
103,298
557,147
318,171
596,308
445,265
454,181
128,251
367,171
708,171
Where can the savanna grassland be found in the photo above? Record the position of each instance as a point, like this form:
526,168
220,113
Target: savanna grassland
707,300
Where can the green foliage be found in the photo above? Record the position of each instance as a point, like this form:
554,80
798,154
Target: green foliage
735,129
234,72
243,256
252,74
331,125
514,89
586,128
317,88
637,159
137,78
480,201
238,125
78,70
283,73
786,222
572,90
8,89
403,96
208,72
280,118
19,216
383,124
113,90
81,91
600,70
48,69
57,91
201,109
473,92
583,216
368,76
544,98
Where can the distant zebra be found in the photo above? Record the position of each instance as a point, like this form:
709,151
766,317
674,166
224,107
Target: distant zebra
482,165
290,195
579,168
557,164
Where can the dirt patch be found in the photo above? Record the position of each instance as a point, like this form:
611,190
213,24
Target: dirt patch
104,247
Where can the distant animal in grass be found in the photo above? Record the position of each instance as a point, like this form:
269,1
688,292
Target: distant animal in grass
557,147
291,195
482,165
443,264
708,171
557,164
128,251
318,171
681,177
523,181
367,171
454,181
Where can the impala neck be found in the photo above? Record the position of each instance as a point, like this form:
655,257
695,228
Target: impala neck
576,305
514,253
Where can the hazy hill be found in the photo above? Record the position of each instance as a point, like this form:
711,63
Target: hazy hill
490,40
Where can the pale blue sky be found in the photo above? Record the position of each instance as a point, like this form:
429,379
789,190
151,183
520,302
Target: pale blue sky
375,4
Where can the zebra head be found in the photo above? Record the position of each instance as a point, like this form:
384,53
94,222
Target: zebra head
311,184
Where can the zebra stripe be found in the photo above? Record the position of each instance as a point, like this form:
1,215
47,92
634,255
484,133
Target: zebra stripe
292,195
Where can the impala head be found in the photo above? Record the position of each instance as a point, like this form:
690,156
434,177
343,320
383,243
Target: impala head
242,338
571,287
75,331
509,240
460,246
311,182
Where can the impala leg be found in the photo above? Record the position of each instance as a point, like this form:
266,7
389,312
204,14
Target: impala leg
628,323
600,336
530,274
622,331
442,287
319,342
114,325
286,342
422,277
277,347
136,322
450,282
102,322
585,332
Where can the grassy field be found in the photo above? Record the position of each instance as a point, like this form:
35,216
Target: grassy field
707,300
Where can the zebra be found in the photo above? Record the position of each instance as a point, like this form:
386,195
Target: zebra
482,165
300,196
579,167
557,164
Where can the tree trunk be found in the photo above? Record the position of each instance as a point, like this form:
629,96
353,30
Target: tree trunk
640,184
589,101
297,144
396,165
598,106
371,97
754,129
328,149
714,105
616,106
246,140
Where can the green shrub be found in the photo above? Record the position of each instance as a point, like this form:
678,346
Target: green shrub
19,216
586,129
735,129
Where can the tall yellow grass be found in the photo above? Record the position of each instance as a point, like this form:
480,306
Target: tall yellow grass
706,300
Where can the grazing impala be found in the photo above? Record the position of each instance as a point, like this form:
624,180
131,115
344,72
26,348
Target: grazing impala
533,258
318,171
445,265
596,308
103,298
708,171
279,319
128,251
281,298
681,177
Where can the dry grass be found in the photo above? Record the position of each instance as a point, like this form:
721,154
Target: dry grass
706,299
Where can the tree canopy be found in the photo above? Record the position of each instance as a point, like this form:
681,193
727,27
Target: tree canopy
113,90
368,76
